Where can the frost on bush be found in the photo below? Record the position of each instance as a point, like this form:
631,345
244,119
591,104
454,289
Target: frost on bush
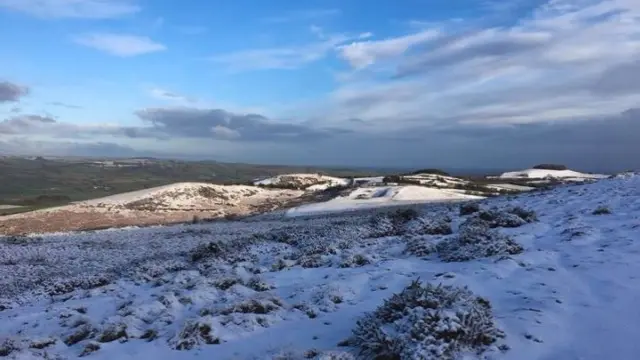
419,246
66,286
7,346
382,226
356,260
601,210
428,226
509,218
203,251
469,208
194,333
427,322
476,240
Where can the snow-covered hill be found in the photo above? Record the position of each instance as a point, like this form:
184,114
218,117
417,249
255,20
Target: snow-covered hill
556,174
159,205
310,182
381,196
548,275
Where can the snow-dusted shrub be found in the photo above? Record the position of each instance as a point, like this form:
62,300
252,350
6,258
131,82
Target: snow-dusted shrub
601,210
382,226
476,240
90,348
7,346
402,216
425,321
498,218
112,333
428,226
312,261
356,260
258,284
82,332
509,217
469,208
255,306
194,333
66,286
419,245
203,251
527,215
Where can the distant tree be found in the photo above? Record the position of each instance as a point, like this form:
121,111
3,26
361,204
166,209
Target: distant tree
431,171
550,167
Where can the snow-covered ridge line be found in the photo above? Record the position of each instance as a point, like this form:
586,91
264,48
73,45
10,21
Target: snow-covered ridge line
546,173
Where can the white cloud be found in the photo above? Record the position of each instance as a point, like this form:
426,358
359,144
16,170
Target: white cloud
568,61
364,53
304,15
291,57
119,44
222,132
88,9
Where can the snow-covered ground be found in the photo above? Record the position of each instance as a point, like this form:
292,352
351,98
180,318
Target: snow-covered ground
565,286
543,173
510,187
381,196
435,180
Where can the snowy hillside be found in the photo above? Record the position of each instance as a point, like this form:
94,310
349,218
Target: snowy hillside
372,197
435,180
159,205
310,182
545,173
544,275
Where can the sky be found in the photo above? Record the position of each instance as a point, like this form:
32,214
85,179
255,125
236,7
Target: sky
406,83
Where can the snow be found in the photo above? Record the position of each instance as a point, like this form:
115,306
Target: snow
310,182
543,173
571,294
512,187
436,180
373,197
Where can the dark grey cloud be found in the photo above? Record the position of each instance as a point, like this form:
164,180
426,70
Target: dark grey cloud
217,123
23,123
619,79
10,92
27,146
455,49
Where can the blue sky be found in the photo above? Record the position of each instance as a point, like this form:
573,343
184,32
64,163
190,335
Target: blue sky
459,83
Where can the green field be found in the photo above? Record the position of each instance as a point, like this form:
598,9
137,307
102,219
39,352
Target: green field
38,183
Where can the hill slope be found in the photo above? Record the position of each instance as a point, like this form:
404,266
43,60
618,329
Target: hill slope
562,283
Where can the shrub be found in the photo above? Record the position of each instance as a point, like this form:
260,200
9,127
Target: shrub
194,333
204,251
476,240
419,246
7,346
112,333
69,285
83,332
509,218
527,215
402,216
469,208
430,171
427,322
90,348
427,226
550,167
601,210
356,260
